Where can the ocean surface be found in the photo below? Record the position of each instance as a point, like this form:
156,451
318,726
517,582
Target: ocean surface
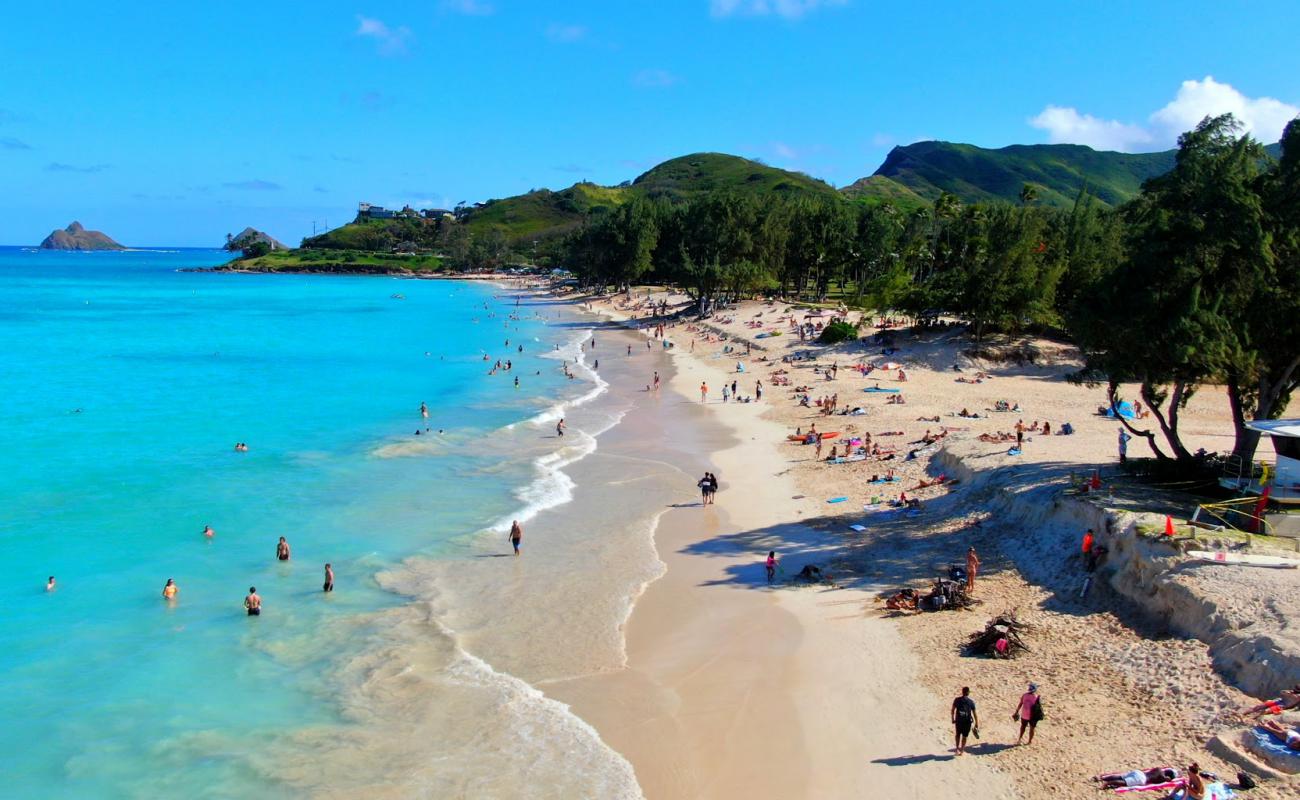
127,383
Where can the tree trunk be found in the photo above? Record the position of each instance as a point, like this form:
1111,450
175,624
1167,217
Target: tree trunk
1270,394
1169,422
1112,394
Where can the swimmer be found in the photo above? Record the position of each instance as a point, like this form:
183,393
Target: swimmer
516,381
424,410
208,532
282,550
329,579
49,585
170,590
516,535
253,603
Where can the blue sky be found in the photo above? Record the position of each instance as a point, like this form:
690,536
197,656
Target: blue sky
173,123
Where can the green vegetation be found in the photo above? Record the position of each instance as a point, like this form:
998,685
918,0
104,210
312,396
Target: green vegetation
838,331
315,260
542,213
700,173
979,175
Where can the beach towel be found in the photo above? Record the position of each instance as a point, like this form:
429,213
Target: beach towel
1178,784
837,499
882,390
1213,791
1125,411
1273,747
858,528
894,479
1015,451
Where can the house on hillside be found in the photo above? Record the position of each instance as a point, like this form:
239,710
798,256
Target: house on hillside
437,213
368,211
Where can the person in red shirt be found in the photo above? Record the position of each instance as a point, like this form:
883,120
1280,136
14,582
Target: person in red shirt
1089,559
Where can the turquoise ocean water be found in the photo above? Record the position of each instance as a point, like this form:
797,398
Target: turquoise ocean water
126,384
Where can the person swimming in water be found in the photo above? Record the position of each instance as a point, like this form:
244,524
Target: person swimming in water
49,585
282,550
170,590
516,535
253,603
329,579
208,532
424,410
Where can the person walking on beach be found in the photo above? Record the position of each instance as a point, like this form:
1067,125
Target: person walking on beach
972,568
713,488
704,392
1029,712
964,719
516,535
282,550
1123,446
771,565
559,427
253,603
629,349
169,590
656,383
758,390
725,394
329,579
703,483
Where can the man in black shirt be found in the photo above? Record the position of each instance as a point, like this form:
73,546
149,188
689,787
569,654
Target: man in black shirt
964,718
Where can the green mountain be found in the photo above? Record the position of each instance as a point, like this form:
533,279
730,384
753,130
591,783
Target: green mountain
542,213
698,173
977,174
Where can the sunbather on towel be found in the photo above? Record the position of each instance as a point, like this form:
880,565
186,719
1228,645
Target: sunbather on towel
1289,737
1137,777
1289,699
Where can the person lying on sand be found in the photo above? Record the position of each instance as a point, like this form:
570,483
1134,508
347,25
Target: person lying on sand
1289,737
1137,777
1288,700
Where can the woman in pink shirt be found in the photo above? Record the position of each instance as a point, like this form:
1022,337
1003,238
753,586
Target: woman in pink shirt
1028,713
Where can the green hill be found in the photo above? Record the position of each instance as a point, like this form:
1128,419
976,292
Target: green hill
543,212
698,173
977,174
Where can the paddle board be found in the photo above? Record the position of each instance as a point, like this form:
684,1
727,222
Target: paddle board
1244,559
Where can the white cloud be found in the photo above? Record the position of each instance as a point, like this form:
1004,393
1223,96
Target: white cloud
470,8
785,151
883,140
1068,125
789,9
390,41
655,78
1261,117
565,34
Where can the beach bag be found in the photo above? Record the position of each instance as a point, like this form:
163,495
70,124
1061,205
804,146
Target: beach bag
1036,713
1244,781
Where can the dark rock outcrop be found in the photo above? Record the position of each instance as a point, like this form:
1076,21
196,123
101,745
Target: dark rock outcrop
75,237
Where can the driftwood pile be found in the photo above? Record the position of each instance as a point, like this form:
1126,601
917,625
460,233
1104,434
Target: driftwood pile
1000,638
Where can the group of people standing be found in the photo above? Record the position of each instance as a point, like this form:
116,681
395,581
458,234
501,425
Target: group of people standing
708,488
965,719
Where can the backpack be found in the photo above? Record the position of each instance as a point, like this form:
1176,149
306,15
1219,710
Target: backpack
1244,781
1036,713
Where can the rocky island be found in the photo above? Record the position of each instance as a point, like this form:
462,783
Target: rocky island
250,236
76,237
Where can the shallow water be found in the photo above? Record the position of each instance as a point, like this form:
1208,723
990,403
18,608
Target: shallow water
126,385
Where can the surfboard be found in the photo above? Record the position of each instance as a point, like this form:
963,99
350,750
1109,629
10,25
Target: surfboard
1244,559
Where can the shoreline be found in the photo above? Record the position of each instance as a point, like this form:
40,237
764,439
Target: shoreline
728,687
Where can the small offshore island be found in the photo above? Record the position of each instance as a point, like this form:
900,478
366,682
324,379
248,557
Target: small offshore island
76,237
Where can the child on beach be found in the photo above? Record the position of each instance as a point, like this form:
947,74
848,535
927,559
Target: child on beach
771,565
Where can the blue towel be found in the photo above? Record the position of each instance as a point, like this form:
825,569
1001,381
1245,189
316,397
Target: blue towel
1266,742
881,389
